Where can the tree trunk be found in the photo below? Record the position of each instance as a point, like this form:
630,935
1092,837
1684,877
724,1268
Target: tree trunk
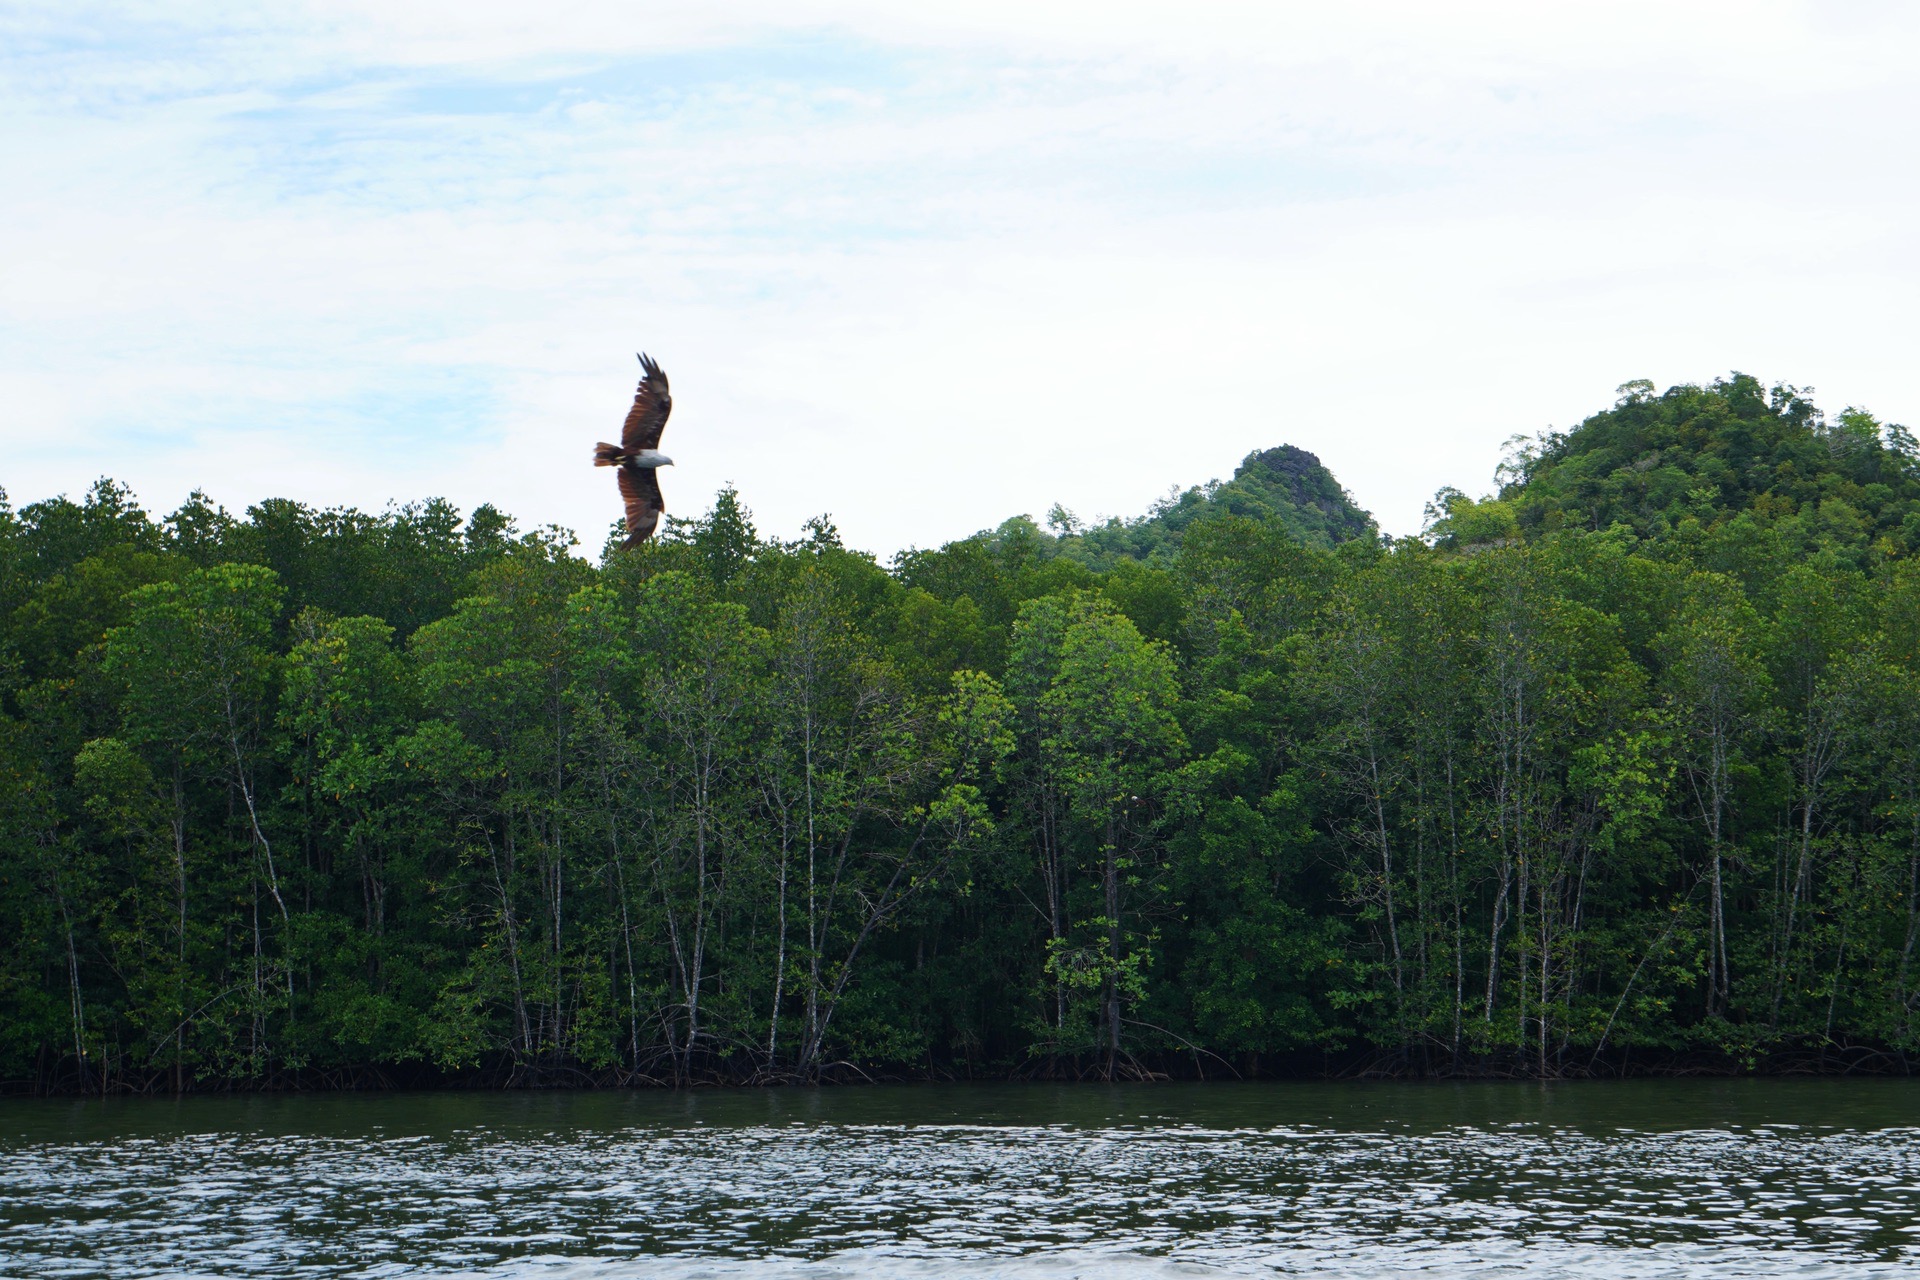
1110,883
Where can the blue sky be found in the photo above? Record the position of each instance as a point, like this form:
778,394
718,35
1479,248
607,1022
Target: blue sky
923,272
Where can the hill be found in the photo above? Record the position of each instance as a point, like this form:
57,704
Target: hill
1724,461
1284,488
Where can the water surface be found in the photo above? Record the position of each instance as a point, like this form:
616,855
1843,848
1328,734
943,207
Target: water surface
1701,1178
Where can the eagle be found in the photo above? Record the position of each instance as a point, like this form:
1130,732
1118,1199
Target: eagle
638,454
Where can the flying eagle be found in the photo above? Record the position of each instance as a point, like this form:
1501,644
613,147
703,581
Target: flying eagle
638,454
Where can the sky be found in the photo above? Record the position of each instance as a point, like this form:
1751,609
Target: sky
923,267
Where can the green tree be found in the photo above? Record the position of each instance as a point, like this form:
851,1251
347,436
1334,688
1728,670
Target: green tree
195,663
1100,701
1717,687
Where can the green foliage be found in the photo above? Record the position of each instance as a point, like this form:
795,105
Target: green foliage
1285,488
1618,764
1697,460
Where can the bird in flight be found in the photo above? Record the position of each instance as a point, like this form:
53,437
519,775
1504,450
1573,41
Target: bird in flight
638,454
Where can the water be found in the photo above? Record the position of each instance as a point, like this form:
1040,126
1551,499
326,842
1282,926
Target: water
1695,1178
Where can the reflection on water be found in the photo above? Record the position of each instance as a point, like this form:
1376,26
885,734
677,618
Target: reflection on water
1803,1178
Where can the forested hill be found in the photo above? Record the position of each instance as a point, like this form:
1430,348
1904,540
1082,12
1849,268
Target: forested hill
1617,768
1284,486
1729,463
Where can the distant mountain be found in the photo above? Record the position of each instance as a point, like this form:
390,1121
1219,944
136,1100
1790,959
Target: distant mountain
1284,485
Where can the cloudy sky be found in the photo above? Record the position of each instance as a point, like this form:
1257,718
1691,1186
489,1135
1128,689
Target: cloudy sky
924,273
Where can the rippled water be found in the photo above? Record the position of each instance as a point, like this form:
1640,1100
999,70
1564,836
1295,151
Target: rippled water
1801,1178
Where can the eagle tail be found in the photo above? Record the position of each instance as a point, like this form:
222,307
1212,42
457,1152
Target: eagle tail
606,455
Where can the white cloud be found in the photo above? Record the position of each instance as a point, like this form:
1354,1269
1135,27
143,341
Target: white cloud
923,271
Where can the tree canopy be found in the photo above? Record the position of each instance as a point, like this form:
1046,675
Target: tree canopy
1616,767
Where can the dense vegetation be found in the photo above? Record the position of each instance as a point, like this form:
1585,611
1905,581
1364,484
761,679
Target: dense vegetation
1617,767
1285,486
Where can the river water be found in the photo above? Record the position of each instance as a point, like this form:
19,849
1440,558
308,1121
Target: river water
1620,1179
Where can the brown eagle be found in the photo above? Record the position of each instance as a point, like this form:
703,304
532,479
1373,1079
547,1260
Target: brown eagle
638,454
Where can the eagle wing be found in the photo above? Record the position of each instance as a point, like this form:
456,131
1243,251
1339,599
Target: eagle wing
640,486
648,417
